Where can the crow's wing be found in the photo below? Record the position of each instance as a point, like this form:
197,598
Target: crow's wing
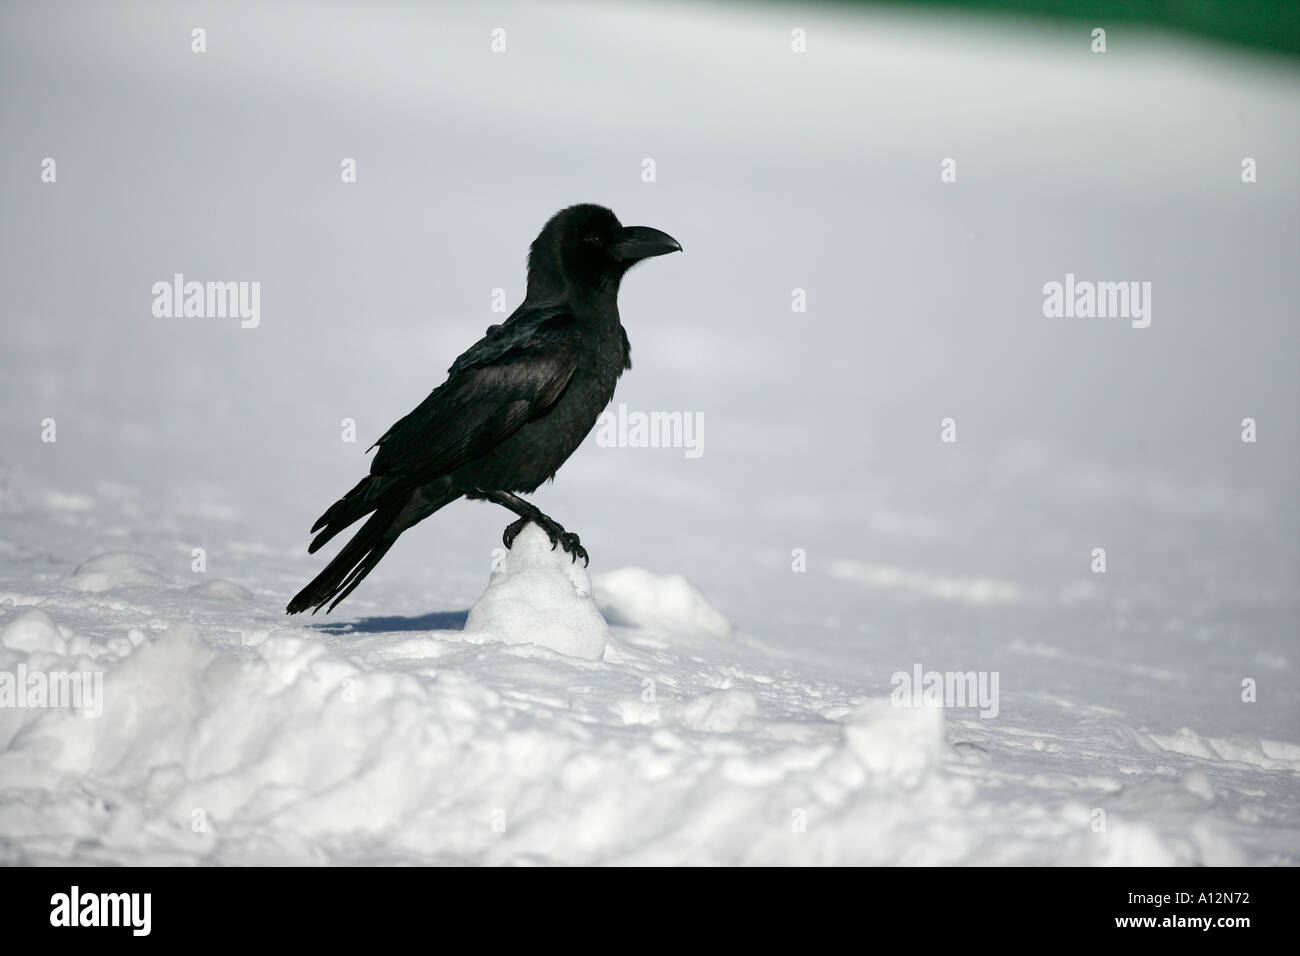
512,375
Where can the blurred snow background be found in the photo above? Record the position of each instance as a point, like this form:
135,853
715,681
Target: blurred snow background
400,738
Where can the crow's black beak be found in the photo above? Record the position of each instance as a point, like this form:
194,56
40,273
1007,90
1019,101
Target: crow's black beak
642,242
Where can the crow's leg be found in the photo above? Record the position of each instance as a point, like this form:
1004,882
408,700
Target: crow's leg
531,513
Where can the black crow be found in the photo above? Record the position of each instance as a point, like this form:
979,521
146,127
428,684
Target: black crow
513,409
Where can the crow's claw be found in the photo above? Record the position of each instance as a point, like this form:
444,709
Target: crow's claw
559,537
512,531
575,548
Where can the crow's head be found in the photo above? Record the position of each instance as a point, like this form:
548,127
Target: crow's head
586,246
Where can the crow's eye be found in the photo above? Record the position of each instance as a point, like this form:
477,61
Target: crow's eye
594,240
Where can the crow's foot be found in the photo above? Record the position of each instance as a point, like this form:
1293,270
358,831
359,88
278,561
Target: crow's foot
554,530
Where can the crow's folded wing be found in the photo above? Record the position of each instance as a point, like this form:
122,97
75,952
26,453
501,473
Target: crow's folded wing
511,376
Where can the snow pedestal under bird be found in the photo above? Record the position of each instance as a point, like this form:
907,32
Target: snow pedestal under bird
540,596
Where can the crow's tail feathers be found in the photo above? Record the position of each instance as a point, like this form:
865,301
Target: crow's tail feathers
395,509
357,559
368,495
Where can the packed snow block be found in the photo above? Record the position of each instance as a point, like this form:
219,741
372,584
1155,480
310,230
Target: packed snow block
540,596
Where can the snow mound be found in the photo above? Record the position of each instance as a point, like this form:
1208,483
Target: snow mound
901,743
663,602
34,631
117,569
539,595
290,749
720,712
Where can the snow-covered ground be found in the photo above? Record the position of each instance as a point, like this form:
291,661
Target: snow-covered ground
741,711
